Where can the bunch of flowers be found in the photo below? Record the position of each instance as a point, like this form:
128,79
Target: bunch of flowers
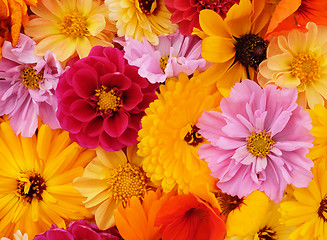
163,119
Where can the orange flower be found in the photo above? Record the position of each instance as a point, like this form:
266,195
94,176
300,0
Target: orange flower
295,14
186,217
13,14
136,221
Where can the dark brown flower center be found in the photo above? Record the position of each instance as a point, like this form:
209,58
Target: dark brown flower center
30,185
267,233
193,138
228,203
147,6
322,211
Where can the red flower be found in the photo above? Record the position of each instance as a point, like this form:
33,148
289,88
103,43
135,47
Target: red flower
186,12
185,217
101,100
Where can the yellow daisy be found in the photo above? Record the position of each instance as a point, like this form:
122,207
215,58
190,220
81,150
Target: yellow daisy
141,18
110,180
298,60
308,212
67,27
169,137
235,45
36,176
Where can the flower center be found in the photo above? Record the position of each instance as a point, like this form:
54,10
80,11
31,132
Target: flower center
193,138
267,233
29,78
228,203
146,6
306,67
73,25
128,180
259,144
250,50
322,211
109,100
163,62
30,185
219,6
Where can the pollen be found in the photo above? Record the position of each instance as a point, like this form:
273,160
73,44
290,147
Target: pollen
163,62
108,99
305,67
259,144
128,180
267,233
193,138
147,6
30,79
73,25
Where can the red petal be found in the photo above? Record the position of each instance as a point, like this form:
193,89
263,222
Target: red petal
115,56
117,124
94,127
82,111
85,82
110,144
117,80
129,137
132,97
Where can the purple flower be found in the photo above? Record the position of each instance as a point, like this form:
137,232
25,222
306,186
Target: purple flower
27,86
258,141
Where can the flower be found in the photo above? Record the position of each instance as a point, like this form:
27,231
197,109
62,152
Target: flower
69,27
169,138
186,217
235,45
27,87
307,213
174,54
109,180
140,18
186,13
299,61
258,141
101,100
13,14
295,14
136,221
18,236
319,128
79,230
36,177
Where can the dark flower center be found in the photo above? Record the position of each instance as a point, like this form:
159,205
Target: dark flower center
193,138
250,50
30,185
228,203
322,211
147,6
267,233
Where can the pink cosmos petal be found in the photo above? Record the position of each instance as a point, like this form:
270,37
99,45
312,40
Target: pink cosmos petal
85,82
228,143
115,126
82,110
48,115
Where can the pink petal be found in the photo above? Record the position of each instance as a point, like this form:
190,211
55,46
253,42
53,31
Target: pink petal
94,127
132,97
82,110
85,82
117,80
116,124
110,144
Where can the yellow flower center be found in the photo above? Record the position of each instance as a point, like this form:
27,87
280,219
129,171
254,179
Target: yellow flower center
306,67
29,78
228,203
128,180
163,62
146,6
30,185
108,99
266,233
193,138
259,144
73,25
322,211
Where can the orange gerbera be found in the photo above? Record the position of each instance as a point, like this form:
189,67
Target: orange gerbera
291,14
186,217
13,13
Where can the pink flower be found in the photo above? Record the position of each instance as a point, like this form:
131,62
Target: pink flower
259,140
101,100
174,54
27,86
79,230
186,12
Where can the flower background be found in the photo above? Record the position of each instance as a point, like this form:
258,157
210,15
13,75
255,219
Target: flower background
163,119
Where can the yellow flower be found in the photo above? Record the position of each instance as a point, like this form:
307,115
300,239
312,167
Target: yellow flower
36,176
235,45
141,18
109,180
298,60
169,137
68,27
308,212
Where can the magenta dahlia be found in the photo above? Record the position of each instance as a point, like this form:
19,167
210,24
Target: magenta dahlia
101,100
186,12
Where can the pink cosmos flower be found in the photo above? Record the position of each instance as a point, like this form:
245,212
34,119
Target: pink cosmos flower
27,86
174,54
259,140
101,100
79,230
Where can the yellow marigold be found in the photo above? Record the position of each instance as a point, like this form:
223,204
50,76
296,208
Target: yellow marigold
235,45
169,137
69,27
36,180
141,18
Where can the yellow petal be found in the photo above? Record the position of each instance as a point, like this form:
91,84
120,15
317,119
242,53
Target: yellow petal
217,49
238,18
83,47
95,24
